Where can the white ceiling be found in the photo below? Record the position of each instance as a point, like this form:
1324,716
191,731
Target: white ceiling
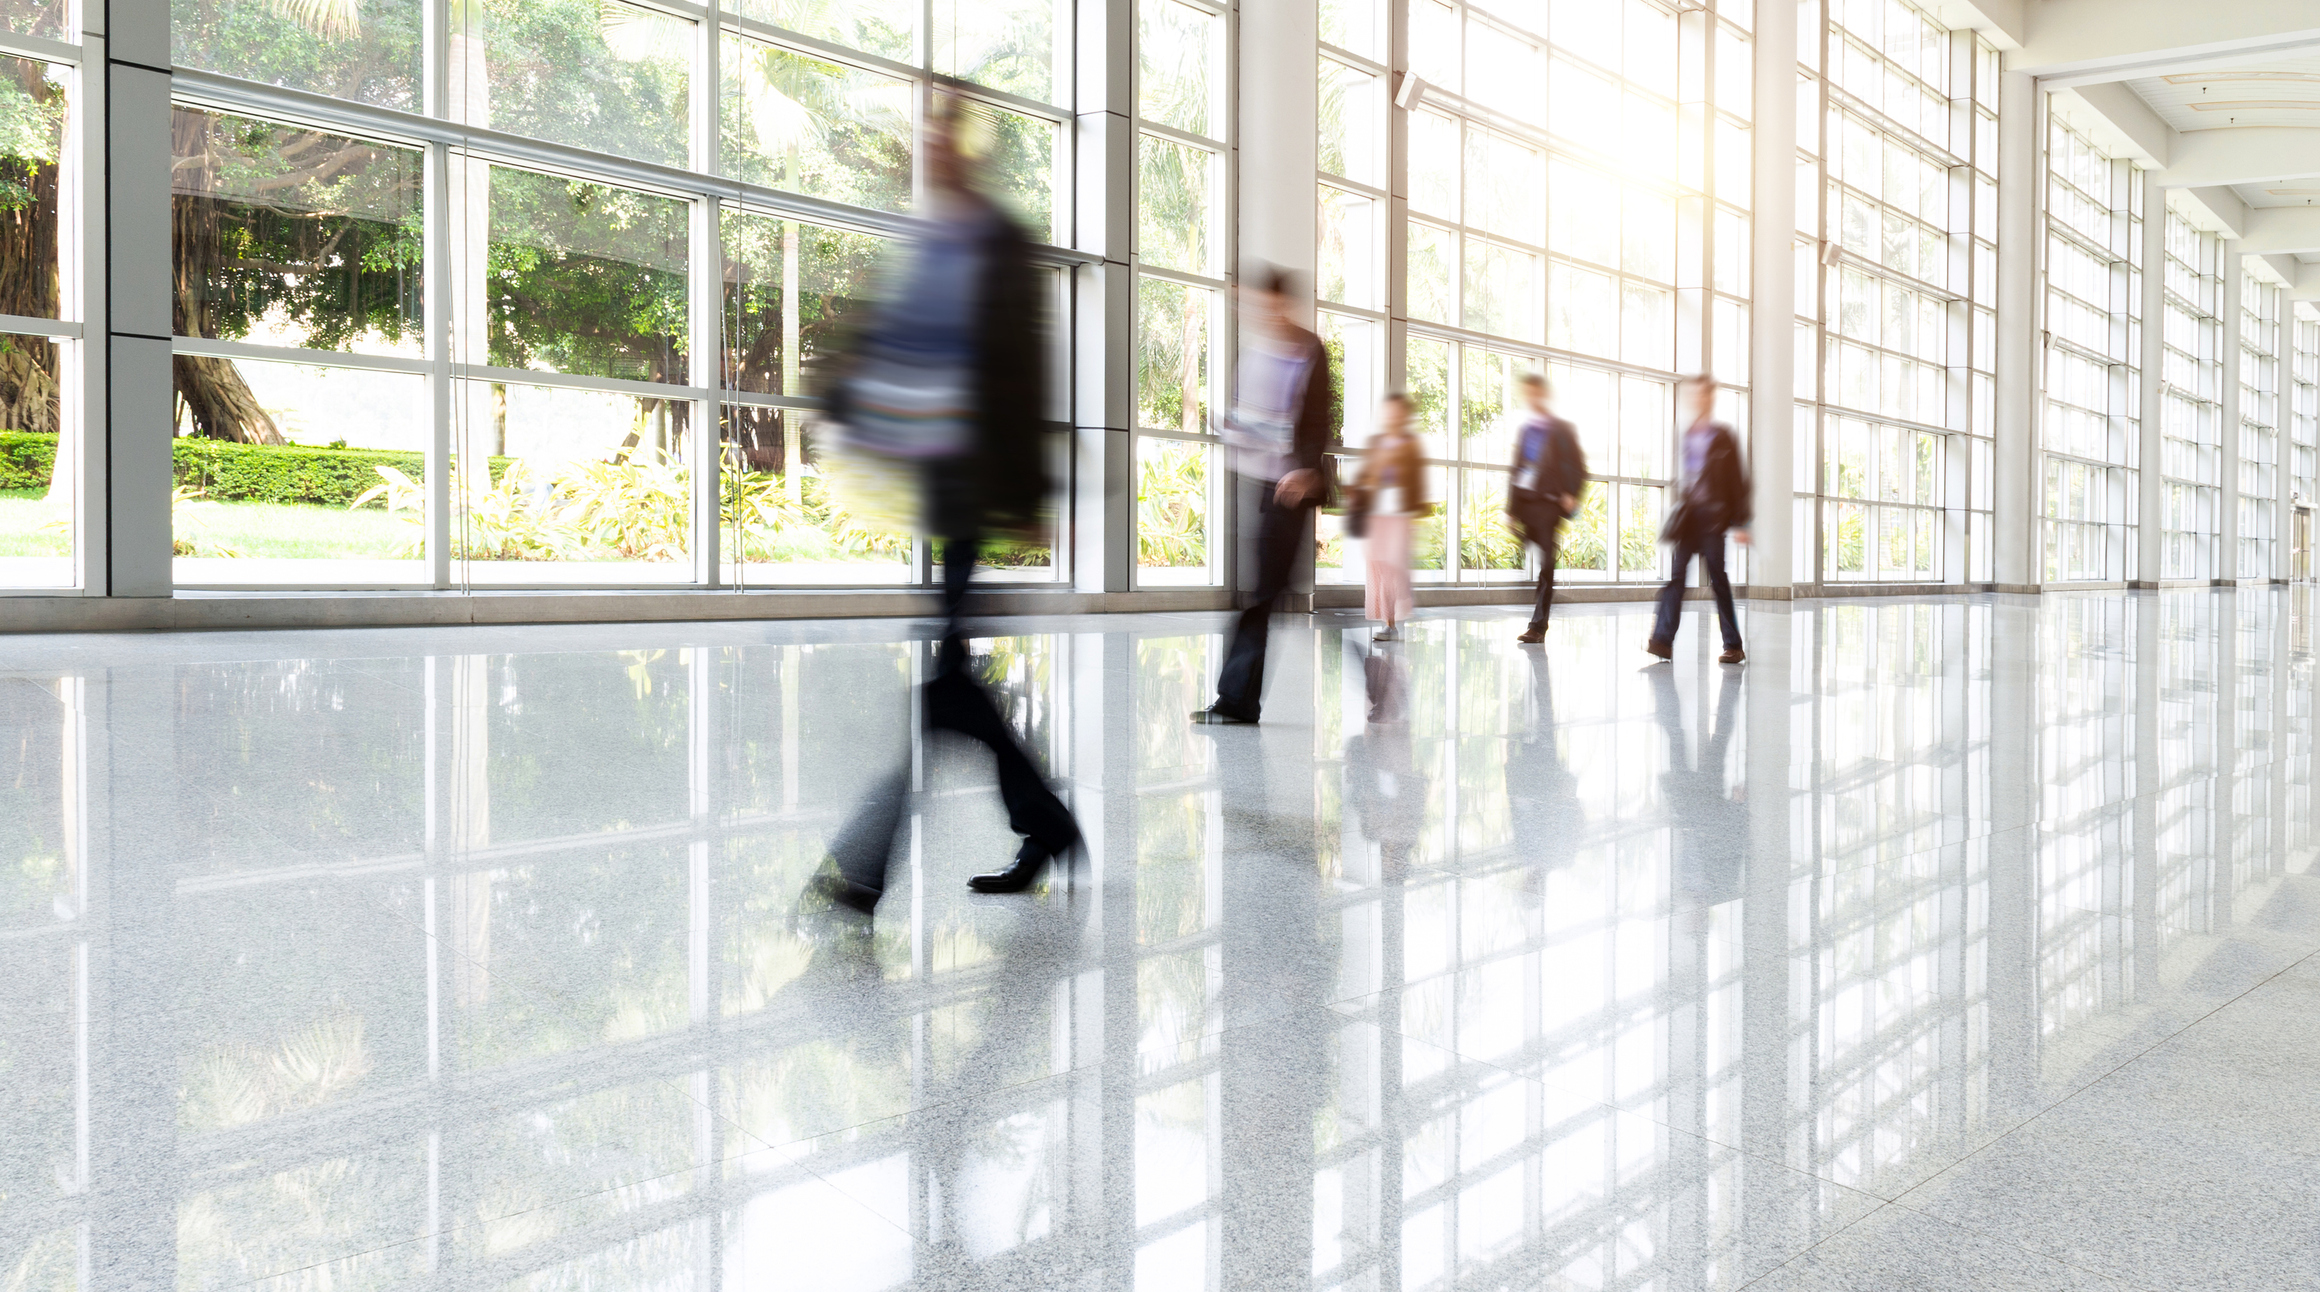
2280,93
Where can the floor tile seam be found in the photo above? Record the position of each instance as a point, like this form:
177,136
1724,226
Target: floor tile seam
2020,1246
1817,1244
2073,1095
1745,1152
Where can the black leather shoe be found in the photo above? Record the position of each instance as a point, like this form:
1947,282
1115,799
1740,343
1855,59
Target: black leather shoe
1217,715
1030,861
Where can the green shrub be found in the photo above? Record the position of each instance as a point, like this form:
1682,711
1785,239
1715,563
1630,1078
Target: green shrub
26,459
330,477
228,472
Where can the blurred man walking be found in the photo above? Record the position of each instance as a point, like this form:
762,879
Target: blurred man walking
1713,498
947,381
1550,474
1278,431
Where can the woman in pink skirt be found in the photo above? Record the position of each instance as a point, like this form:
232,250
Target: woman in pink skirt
1391,491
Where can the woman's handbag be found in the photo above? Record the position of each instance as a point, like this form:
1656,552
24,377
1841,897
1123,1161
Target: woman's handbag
1357,500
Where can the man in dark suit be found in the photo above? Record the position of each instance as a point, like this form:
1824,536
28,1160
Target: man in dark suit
1550,474
1713,496
1278,431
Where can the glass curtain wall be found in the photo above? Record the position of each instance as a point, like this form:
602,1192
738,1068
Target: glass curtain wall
1351,208
2191,386
2303,439
1578,196
2091,416
1182,332
1897,287
42,459
2259,425
461,284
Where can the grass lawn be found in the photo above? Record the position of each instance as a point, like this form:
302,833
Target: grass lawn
295,531
23,513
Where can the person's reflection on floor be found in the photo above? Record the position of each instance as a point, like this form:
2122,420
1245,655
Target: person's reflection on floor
844,999
1542,793
1389,798
1711,822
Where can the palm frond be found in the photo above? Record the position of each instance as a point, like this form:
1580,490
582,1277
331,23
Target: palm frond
329,19
640,35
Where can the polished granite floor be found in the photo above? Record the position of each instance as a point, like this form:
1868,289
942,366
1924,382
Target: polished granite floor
1951,943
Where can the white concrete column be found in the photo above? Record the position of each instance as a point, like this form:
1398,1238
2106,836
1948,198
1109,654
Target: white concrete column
2228,274
2014,471
1772,287
2151,498
136,324
1103,497
1276,153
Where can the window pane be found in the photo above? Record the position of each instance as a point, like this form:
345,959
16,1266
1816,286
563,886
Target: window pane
606,76
1583,311
1583,218
1016,46
1434,43
1172,328
587,279
1486,397
1172,509
40,477
1486,544
1176,53
1588,398
1434,157
1639,521
1355,375
596,487
1647,326
1502,290
1347,249
1349,103
1646,419
1427,367
368,53
336,497
1505,186
790,292
39,466
782,523
289,236
1014,154
1586,543
887,28
1432,261
1580,108
1172,207
1649,234
1505,73
798,123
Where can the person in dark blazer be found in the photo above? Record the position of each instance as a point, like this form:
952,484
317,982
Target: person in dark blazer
1278,432
1550,476
1713,497
967,324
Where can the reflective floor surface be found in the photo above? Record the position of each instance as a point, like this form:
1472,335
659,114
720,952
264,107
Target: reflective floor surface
1950,943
